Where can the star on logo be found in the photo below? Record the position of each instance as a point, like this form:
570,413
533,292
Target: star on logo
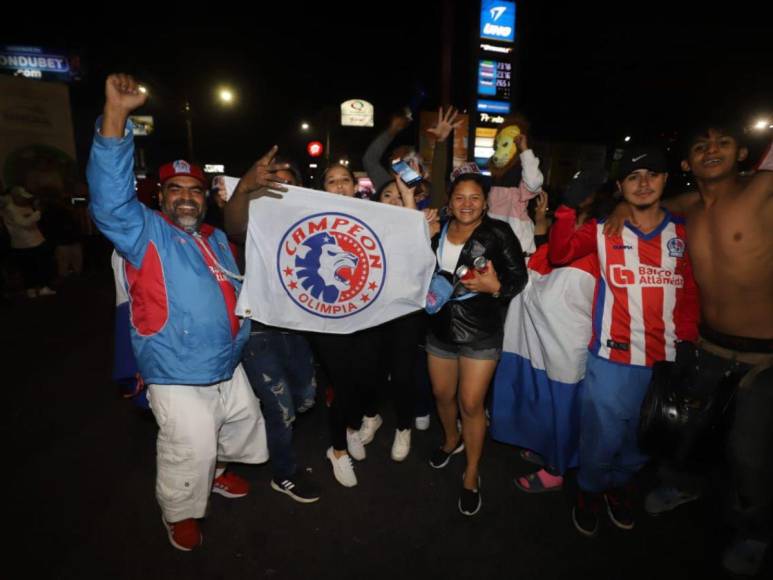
372,286
288,271
293,285
364,297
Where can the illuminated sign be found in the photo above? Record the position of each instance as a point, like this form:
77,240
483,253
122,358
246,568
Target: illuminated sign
214,168
35,62
497,20
488,106
142,125
314,148
494,79
495,48
486,118
356,113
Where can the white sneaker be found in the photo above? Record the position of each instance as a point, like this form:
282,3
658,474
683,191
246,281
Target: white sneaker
369,427
422,422
354,445
342,468
46,291
402,444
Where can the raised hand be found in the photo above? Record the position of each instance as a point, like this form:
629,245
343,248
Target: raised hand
522,142
122,93
122,96
408,194
263,175
446,122
397,123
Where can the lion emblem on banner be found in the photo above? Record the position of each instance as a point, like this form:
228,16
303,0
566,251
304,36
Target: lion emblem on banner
325,269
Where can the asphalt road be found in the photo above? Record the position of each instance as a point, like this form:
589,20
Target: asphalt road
80,489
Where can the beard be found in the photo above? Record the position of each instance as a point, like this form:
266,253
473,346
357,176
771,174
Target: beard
645,206
184,219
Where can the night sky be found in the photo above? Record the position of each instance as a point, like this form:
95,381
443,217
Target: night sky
584,72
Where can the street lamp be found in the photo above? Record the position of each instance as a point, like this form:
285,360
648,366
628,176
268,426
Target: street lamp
225,95
305,126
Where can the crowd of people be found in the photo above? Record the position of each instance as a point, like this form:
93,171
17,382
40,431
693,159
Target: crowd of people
682,312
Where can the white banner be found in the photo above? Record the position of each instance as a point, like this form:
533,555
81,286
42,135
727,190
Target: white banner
329,263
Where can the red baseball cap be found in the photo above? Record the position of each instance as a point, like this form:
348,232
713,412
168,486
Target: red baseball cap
178,168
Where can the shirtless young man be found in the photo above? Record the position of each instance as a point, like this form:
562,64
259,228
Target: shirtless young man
730,236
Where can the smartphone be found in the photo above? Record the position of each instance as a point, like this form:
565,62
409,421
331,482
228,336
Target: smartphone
408,175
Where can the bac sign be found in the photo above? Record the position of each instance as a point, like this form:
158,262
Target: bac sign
497,20
314,148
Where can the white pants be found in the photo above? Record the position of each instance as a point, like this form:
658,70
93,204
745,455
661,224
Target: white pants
199,426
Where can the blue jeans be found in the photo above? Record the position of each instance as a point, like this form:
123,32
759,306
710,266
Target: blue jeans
280,368
609,422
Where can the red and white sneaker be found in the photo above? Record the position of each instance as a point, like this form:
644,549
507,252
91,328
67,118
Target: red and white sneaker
230,485
184,535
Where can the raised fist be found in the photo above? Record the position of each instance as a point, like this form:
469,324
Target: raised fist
122,93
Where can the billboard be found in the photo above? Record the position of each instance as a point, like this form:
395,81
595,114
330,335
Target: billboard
356,113
494,79
497,20
35,62
38,147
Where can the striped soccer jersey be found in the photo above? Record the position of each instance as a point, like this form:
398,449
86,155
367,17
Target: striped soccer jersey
646,297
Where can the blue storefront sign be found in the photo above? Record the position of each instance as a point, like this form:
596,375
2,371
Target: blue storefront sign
497,20
36,62
501,107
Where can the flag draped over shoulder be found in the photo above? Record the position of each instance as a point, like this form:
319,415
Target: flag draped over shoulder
536,395
328,263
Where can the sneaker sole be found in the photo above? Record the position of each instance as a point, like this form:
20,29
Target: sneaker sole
477,509
614,521
450,455
583,531
175,544
228,494
671,507
296,497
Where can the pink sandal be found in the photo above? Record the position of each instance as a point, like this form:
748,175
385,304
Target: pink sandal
539,482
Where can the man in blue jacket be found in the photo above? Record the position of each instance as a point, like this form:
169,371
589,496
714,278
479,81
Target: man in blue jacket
182,283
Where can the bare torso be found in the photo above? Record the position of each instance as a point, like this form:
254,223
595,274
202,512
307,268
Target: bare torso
730,241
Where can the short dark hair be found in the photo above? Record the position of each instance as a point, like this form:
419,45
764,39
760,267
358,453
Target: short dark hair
479,178
700,129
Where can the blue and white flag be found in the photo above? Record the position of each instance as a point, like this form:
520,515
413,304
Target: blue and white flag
536,396
328,263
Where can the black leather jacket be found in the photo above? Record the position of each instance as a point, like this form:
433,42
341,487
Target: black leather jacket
480,320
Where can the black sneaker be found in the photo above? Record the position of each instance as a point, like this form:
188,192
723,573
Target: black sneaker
619,508
470,500
297,487
440,458
585,514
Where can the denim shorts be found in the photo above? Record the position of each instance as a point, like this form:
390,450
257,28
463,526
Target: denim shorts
440,349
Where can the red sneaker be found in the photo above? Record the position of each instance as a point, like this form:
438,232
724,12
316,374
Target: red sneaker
230,485
184,535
